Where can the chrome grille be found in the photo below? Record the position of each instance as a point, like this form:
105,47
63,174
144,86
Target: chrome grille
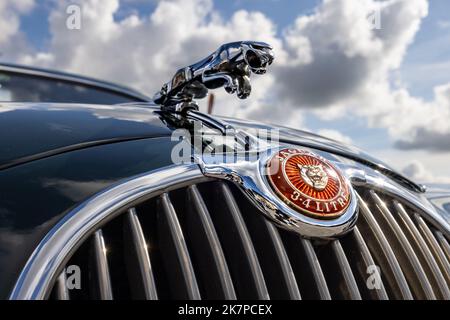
206,241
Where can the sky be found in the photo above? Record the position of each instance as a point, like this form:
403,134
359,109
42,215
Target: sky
375,74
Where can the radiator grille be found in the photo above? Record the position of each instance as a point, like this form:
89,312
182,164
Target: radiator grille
207,241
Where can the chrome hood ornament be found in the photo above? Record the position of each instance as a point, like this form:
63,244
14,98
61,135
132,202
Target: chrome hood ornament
295,188
230,66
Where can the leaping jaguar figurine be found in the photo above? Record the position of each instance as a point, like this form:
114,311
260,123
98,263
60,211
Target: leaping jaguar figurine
229,66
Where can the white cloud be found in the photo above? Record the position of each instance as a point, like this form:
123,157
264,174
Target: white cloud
12,42
144,52
331,60
335,135
418,172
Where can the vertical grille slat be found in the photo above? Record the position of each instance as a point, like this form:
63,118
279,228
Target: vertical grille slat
62,293
206,246
405,252
139,266
436,249
444,243
397,279
282,260
176,255
424,249
102,269
275,263
337,271
205,239
237,244
367,261
318,275
316,269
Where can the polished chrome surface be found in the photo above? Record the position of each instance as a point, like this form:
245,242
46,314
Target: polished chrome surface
434,245
249,172
102,268
202,220
175,233
407,250
62,292
316,269
245,255
397,278
368,262
346,271
64,238
243,240
287,274
229,66
50,257
140,250
423,248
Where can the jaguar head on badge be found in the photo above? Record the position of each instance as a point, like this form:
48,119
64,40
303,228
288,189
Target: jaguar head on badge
314,175
309,183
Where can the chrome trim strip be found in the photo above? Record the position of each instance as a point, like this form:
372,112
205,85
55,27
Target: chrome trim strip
179,244
102,268
346,271
433,244
380,183
287,275
244,236
54,250
250,172
316,268
62,293
391,259
205,223
368,261
444,243
406,247
420,243
141,254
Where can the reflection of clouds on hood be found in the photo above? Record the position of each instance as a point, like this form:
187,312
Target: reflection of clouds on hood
125,113
76,190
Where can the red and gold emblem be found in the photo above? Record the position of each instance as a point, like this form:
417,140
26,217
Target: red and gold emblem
308,183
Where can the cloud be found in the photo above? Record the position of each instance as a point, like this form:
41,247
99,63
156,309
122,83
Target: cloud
347,68
335,135
427,140
417,171
144,52
12,41
331,63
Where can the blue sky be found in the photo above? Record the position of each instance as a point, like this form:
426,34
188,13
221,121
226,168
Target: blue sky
431,45
383,100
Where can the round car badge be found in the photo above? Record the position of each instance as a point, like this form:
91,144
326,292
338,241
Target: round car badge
309,184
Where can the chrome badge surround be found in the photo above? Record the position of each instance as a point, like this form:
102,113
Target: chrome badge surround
249,173
288,172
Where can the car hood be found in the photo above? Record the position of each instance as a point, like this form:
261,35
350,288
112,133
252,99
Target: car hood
35,130
31,131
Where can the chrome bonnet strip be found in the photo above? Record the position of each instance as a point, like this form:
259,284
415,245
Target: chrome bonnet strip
54,250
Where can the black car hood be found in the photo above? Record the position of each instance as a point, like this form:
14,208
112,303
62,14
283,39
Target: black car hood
32,131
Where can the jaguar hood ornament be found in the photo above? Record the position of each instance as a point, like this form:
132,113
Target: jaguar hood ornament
230,66
295,188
